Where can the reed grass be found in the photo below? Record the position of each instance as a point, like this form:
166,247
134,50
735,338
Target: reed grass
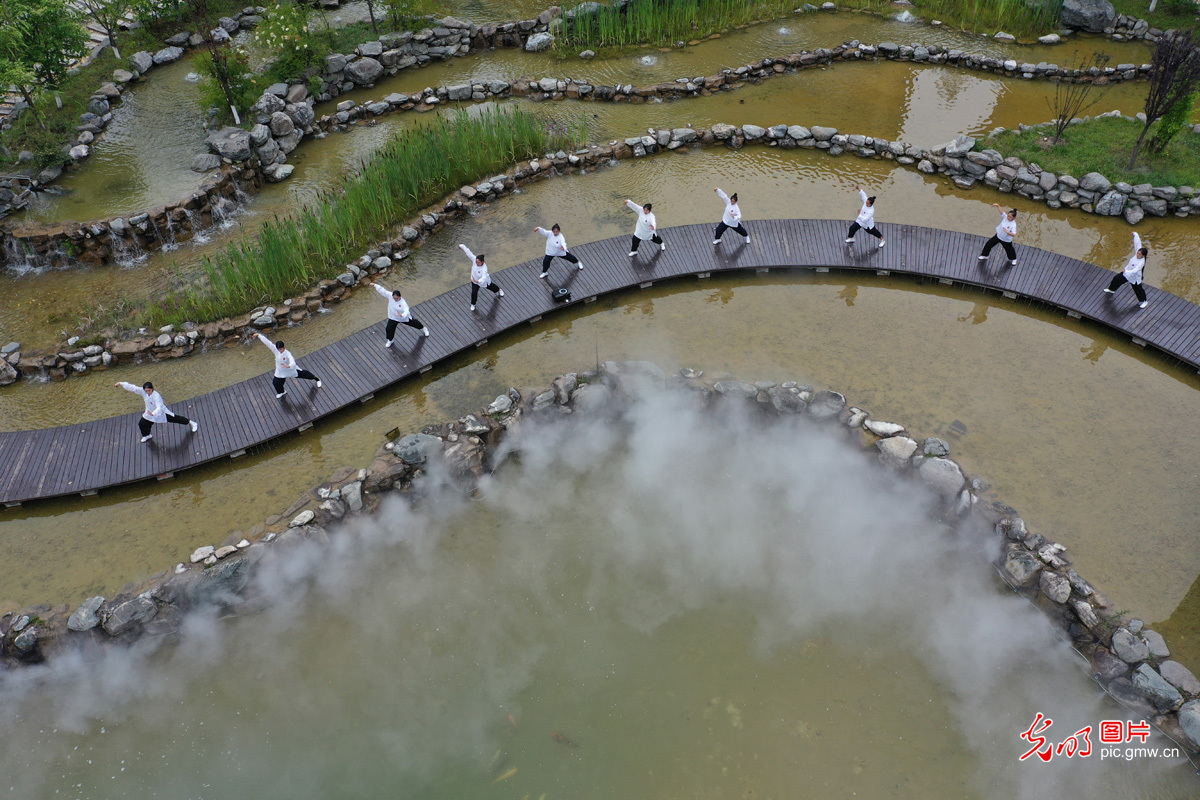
664,22
413,169
1025,19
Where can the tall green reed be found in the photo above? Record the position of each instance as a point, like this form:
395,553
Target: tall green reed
664,21
411,170
1021,18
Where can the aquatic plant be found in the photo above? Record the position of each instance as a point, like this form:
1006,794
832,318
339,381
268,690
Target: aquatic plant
410,171
663,21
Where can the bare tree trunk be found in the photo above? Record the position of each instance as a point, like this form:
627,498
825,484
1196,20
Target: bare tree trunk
1137,146
371,14
33,107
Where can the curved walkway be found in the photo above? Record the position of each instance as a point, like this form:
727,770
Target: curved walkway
83,458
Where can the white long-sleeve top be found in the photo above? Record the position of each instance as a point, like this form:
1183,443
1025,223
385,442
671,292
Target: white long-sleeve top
556,245
156,409
733,215
1007,229
285,362
1133,270
646,223
397,309
866,214
479,272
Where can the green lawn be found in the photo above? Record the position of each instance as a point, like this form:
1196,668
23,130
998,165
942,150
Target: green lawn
1104,145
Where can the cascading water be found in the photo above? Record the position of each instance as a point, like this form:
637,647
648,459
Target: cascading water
906,16
126,252
21,259
169,241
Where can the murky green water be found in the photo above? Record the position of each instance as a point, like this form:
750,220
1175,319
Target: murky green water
599,623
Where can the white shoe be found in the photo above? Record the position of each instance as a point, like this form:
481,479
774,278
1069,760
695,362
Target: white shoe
543,275
662,246
581,265
195,426
388,343
1012,263
1143,304
983,258
472,308
281,394
747,240
426,331
1108,291
849,240
318,384
632,253
501,293
147,437
716,241
882,242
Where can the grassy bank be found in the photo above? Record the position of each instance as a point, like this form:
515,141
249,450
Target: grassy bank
663,22
1025,20
1167,13
1104,145
409,172
46,143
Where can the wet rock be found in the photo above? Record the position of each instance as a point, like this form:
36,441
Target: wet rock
278,172
827,405
501,405
409,233
539,42
1111,204
895,451
281,124
303,518
883,428
934,446
201,553
735,390
1155,644
1189,720
1129,648
231,143
1134,213
220,585
563,386
820,133
591,397
786,401
417,448
1095,182
1022,568
1108,666
1180,677
205,162
128,615
168,54
961,145
1123,692
8,373
943,476
79,152
1150,684
142,62
301,114
85,618
1055,586
352,495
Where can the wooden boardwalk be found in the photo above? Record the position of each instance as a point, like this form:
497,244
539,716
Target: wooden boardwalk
84,458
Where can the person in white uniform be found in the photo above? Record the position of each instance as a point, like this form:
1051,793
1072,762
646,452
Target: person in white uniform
285,366
556,247
866,219
1006,231
398,314
480,276
647,227
156,410
1132,274
732,218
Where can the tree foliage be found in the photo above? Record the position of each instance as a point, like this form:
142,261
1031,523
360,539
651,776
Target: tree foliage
38,41
1072,98
1174,76
107,14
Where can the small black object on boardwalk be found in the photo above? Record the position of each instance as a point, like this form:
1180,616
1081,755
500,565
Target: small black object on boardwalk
84,458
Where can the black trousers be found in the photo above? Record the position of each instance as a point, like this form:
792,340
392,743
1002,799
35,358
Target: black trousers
1138,289
1008,247
638,242
144,425
855,228
413,322
491,287
722,227
565,256
277,382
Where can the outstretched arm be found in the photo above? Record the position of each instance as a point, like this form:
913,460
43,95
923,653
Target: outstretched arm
862,194
129,387
1137,243
381,290
544,232
722,195
632,206
270,345
467,250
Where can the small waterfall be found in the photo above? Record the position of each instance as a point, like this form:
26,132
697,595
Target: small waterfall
126,252
21,259
168,242
199,234
906,16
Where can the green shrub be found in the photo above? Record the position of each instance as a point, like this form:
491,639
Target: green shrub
664,21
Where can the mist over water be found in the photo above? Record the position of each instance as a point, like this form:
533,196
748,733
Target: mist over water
672,604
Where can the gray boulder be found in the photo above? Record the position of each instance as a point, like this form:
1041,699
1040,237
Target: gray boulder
231,143
827,405
786,401
142,62
259,135
1150,684
281,124
501,405
752,132
1087,15
1055,586
539,42
591,397
1129,648
168,54
301,114
1180,677
822,133
1095,182
364,71
1111,204
1022,567
417,448
127,615
1189,720
221,584
1108,666
204,162
961,145
85,618
352,495
735,390
943,476
265,106
895,451
278,172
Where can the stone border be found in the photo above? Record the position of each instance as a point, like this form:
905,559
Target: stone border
957,160
1131,662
